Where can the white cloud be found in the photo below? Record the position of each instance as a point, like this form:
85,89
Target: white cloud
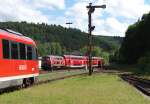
116,25
78,14
131,9
78,10
28,10
114,20
60,4
18,10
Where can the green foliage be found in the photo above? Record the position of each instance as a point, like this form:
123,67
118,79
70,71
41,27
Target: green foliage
144,65
84,51
53,48
52,39
97,51
44,49
137,41
106,55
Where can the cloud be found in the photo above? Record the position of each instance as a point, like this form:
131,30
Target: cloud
78,14
28,10
131,9
60,4
114,24
114,20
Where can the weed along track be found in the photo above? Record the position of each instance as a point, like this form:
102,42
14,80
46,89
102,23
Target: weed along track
141,84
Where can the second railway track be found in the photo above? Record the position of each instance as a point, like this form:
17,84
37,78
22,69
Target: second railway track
141,84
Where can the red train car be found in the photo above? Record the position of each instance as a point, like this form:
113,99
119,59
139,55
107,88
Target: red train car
97,62
52,61
18,59
72,61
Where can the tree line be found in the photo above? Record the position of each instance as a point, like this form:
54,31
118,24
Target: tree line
135,48
58,40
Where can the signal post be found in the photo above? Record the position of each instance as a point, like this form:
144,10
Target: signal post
91,9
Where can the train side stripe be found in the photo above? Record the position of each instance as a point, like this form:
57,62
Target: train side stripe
18,77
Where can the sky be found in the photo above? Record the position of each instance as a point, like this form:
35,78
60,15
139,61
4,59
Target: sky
112,21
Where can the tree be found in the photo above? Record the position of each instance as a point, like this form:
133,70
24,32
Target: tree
136,43
56,48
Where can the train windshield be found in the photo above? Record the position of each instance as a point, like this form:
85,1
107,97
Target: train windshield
45,58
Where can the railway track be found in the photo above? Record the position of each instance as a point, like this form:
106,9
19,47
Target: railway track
141,84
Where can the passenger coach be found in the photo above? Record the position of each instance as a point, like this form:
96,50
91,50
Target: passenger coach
72,61
18,59
97,62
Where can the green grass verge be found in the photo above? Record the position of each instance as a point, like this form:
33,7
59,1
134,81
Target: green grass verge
58,74
96,89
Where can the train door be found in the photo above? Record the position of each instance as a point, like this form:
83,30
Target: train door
22,64
32,63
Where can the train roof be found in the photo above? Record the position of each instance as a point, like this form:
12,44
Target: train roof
82,56
97,57
15,36
54,56
73,56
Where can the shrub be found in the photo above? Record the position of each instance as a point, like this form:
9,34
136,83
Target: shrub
144,65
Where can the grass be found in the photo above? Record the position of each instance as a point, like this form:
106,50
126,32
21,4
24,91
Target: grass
58,74
96,89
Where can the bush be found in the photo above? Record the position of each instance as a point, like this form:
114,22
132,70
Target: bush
144,65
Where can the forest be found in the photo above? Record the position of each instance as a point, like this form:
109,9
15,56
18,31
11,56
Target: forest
135,48
58,40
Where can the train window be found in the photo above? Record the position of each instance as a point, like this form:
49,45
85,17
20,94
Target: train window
6,52
29,52
22,51
34,54
14,50
46,58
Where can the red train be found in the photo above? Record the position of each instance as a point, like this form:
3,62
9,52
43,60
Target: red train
97,61
69,61
18,59
72,61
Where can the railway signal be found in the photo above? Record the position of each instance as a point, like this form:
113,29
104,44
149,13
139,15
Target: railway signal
91,9
69,23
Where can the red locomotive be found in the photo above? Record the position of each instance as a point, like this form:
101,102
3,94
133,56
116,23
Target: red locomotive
18,59
51,61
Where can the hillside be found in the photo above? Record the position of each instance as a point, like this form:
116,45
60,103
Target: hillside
59,40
